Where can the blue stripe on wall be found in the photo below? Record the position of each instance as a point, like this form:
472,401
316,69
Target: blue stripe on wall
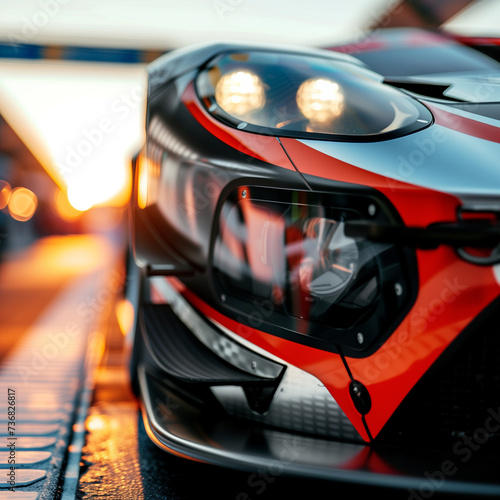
20,51
95,54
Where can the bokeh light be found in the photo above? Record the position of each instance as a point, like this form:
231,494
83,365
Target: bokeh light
22,204
5,192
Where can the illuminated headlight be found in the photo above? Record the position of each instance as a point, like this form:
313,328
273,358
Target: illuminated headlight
282,262
320,100
240,92
295,96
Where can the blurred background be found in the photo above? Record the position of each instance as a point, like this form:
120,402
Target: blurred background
72,87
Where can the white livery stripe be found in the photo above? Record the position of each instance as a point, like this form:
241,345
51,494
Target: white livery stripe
437,158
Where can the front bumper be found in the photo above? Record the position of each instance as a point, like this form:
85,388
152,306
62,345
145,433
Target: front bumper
181,428
180,418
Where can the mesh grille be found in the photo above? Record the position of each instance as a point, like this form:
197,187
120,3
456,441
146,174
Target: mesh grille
454,398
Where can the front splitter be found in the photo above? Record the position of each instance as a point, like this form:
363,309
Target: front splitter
181,428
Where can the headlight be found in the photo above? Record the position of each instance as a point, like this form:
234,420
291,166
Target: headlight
282,260
296,96
240,92
320,100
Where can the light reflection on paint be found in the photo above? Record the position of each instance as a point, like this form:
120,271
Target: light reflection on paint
125,315
142,184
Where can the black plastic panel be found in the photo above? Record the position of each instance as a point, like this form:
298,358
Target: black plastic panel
458,399
183,357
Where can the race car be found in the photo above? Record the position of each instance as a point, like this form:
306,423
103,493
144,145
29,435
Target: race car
317,244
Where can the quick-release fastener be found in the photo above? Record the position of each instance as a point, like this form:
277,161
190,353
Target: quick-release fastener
360,397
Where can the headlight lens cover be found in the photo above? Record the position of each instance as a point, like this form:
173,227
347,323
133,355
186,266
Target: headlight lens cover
281,261
291,95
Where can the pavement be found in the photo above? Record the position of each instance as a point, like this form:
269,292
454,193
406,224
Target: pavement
54,300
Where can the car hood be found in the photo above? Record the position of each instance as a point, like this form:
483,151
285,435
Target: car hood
458,154
469,86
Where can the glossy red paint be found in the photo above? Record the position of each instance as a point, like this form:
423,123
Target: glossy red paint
451,294
477,41
465,125
460,289
326,366
451,291
262,147
407,198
